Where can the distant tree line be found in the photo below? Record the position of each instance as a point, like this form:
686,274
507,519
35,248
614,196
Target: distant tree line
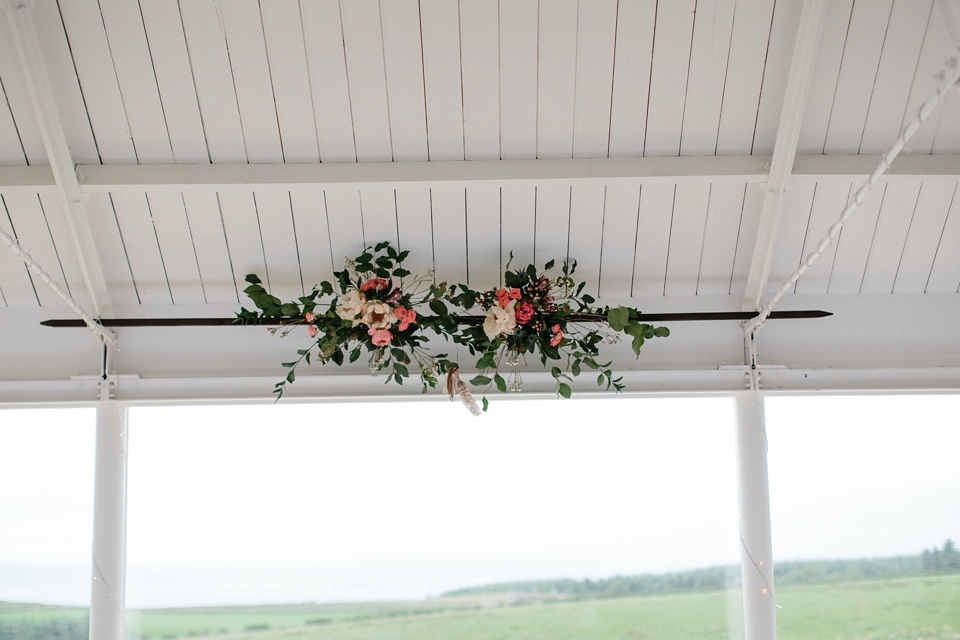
60,628
725,577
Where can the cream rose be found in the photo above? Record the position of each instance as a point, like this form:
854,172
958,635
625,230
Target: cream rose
500,321
351,305
378,314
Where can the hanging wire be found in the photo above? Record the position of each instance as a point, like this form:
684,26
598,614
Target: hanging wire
948,75
99,330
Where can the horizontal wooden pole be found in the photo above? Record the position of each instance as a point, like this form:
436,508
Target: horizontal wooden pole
467,320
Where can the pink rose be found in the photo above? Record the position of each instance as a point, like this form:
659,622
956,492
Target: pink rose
405,316
312,330
377,284
515,294
524,312
555,340
380,337
503,298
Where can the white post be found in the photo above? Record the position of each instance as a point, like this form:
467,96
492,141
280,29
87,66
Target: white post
756,549
107,607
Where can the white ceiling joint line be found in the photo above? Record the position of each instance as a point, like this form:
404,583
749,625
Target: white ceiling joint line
785,149
58,151
949,76
102,333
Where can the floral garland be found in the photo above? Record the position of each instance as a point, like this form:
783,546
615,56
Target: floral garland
372,306
534,313
372,309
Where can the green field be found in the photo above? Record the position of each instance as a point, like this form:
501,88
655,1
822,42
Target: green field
905,608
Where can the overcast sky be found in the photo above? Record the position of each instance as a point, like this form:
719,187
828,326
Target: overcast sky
279,503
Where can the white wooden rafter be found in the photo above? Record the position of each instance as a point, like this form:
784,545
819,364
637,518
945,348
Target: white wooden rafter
246,177
785,149
61,167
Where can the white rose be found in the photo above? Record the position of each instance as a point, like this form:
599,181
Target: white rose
378,314
500,321
351,305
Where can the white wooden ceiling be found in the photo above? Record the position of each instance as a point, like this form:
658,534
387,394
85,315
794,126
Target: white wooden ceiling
365,81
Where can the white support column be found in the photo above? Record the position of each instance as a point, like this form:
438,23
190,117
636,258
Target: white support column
107,605
756,555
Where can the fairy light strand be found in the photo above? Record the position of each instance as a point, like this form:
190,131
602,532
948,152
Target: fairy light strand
949,75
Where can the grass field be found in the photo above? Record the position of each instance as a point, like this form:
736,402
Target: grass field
911,608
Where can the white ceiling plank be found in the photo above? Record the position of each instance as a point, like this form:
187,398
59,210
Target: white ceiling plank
858,72
596,39
935,50
363,45
416,228
10,150
98,79
403,59
378,208
653,236
171,66
948,131
518,79
448,208
668,78
17,99
242,227
142,248
313,237
553,223
440,24
926,230
720,238
557,78
826,71
479,61
828,202
945,274
483,238
899,205
853,245
797,207
16,284
619,240
213,80
176,247
252,80
708,68
687,239
783,35
895,75
33,235
345,222
326,63
745,69
631,77
587,210
518,215
127,40
56,217
206,220
286,51
110,249
747,239
63,78
279,244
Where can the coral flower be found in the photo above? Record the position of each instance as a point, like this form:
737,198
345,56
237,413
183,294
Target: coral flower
405,316
524,312
377,284
380,337
557,335
309,316
312,330
503,298
515,294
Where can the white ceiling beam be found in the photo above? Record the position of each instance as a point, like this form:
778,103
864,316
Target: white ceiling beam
785,149
58,151
247,177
